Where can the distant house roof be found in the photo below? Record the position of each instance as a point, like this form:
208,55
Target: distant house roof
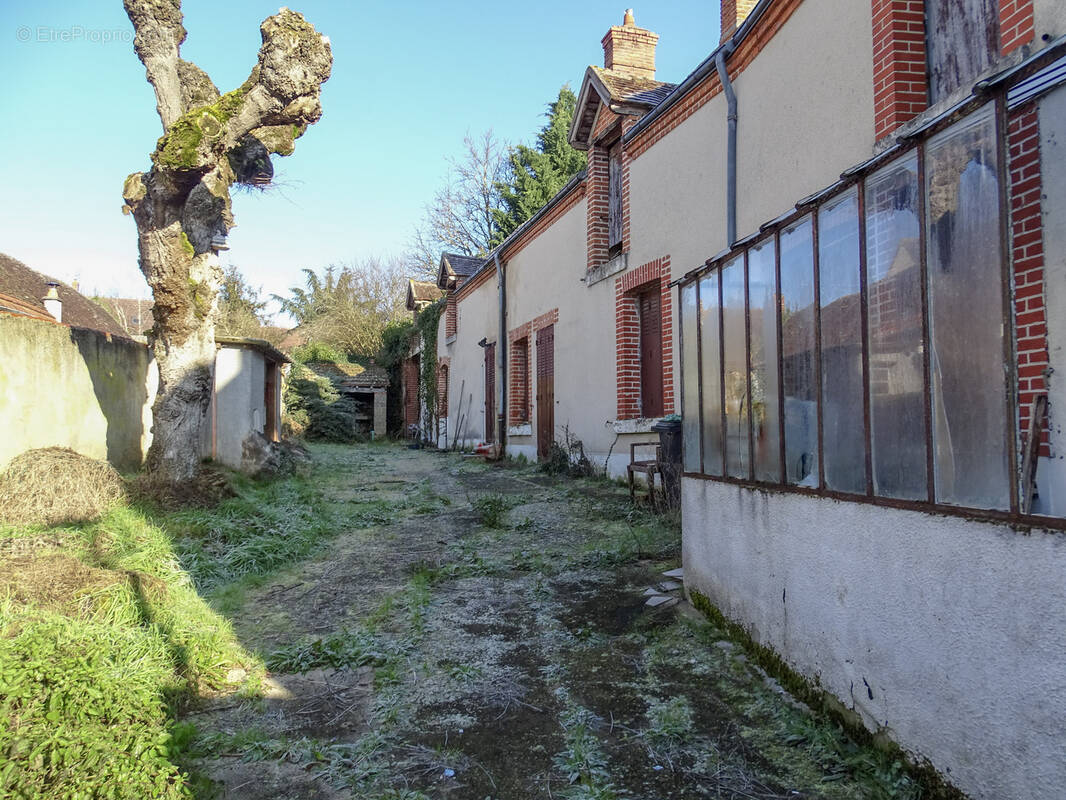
261,345
12,305
620,92
133,313
455,269
421,294
23,284
351,376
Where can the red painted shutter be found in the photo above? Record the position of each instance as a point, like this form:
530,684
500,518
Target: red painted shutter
651,354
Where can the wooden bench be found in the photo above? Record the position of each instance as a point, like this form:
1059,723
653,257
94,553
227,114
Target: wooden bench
647,467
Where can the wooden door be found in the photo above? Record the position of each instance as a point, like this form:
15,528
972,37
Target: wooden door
651,354
270,402
545,390
490,393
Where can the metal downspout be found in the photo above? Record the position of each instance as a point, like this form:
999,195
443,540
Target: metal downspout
731,147
501,359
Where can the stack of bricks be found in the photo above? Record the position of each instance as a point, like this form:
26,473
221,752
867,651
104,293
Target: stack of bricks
518,375
443,366
900,84
1027,248
451,317
597,204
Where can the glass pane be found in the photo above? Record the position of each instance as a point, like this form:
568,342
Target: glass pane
966,316
797,354
894,307
690,390
712,375
737,405
762,298
843,432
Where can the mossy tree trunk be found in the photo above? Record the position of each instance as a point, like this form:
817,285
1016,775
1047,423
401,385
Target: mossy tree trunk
182,204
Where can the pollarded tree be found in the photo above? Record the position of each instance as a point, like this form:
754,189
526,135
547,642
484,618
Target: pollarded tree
182,204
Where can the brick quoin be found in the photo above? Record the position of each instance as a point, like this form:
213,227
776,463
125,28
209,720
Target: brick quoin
1015,24
1027,251
443,368
900,83
451,318
627,335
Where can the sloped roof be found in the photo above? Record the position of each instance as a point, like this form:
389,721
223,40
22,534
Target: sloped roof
351,376
28,286
621,92
133,313
626,89
422,292
456,268
12,305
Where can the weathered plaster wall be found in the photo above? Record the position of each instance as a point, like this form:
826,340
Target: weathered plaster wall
959,658
76,388
1051,472
546,275
239,407
806,109
477,320
1049,18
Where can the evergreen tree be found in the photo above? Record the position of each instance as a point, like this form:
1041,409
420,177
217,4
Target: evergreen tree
536,174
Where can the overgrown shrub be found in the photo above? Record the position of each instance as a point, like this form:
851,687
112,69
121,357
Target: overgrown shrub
568,458
55,485
316,410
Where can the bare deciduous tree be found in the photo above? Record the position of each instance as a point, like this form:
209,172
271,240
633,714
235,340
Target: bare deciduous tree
182,204
349,305
460,219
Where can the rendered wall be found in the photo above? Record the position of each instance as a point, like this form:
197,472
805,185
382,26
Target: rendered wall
1049,19
545,275
478,318
239,405
945,632
76,388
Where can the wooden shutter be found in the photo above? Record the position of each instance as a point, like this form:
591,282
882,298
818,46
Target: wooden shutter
490,393
651,354
962,41
614,196
545,390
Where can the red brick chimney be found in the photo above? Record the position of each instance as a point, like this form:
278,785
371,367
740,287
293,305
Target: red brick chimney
735,12
629,49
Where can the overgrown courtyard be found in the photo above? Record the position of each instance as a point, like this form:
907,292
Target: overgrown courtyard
395,624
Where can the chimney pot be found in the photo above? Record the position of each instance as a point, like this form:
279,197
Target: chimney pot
52,304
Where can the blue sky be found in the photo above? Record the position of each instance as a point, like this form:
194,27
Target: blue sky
409,81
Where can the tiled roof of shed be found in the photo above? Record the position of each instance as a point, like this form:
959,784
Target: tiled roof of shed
461,265
424,291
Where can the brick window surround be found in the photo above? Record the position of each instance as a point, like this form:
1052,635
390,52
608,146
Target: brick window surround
597,188
899,55
520,365
1027,251
654,274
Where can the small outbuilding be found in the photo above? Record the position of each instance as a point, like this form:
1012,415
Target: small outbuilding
245,398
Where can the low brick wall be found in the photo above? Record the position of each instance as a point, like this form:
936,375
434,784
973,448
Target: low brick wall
76,388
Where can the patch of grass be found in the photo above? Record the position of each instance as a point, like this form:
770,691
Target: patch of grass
492,510
88,687
340,650
268,525
669,721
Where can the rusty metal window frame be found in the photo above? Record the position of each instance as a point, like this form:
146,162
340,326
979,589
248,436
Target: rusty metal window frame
856,178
